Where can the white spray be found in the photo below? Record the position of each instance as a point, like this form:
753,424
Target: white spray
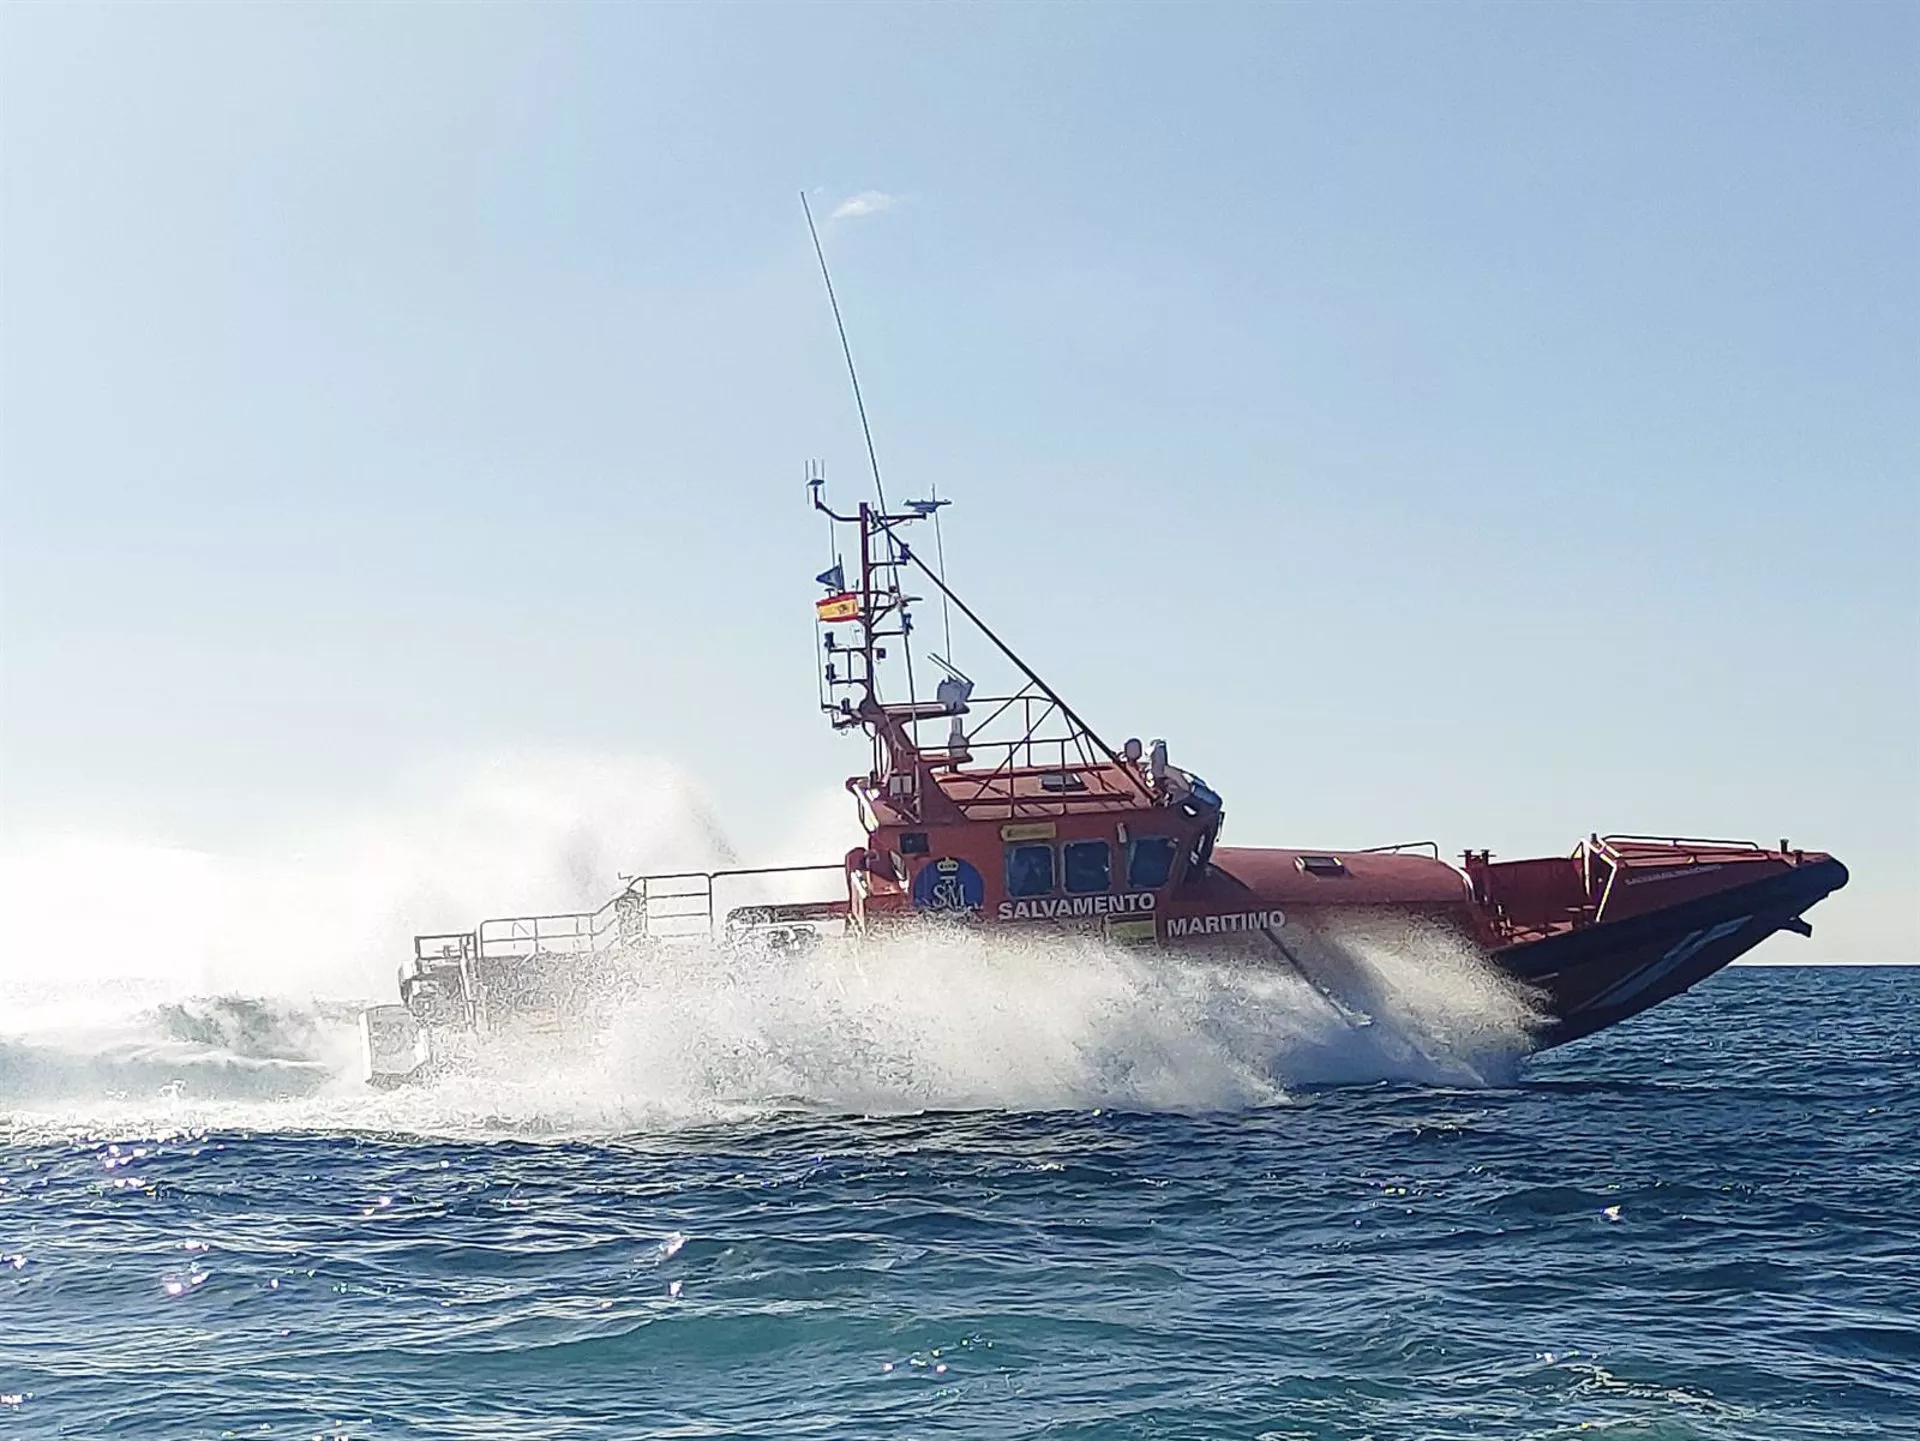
148,988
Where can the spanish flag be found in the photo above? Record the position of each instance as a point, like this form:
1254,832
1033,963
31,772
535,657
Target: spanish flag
844,606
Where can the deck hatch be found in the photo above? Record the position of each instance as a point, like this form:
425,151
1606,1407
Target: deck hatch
1321,865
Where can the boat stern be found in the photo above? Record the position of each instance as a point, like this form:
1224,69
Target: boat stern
395,1048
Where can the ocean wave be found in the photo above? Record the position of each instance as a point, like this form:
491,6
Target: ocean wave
203,1048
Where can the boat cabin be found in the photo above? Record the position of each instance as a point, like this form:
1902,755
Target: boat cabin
1099,840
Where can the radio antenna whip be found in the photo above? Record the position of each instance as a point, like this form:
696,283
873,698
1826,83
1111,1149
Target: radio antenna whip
853,375
940,552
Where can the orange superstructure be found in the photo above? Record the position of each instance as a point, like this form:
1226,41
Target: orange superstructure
1018,814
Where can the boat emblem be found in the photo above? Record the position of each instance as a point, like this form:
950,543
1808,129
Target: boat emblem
949,885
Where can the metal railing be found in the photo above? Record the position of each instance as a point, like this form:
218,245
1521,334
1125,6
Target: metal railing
1037,736
1684,843
669,908
557,935
1432,848
444,946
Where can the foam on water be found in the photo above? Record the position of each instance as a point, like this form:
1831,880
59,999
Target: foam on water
209,992
1694,1226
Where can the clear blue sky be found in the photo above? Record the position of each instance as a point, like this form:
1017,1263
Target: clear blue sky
1490,422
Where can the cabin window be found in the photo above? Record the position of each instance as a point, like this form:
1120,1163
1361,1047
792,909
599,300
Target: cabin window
1149,862
1202,851
1087,867
1029,870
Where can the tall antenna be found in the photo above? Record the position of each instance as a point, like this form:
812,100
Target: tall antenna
940,552
853,375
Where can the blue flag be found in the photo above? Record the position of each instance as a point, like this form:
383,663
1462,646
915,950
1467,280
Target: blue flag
834,579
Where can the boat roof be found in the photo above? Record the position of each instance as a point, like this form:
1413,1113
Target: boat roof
1041,790
1007,793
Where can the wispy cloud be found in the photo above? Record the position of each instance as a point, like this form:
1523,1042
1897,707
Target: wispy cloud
867,202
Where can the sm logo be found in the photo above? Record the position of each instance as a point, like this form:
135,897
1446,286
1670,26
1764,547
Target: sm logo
950,886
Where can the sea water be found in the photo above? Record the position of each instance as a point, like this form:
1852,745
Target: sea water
957,1188
1703,1224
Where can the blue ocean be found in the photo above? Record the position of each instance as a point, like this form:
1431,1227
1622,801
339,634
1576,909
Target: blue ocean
1104,1204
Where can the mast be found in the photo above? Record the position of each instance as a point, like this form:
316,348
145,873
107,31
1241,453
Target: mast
878,610
846,349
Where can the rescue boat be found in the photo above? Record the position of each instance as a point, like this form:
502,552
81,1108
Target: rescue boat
1011,813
